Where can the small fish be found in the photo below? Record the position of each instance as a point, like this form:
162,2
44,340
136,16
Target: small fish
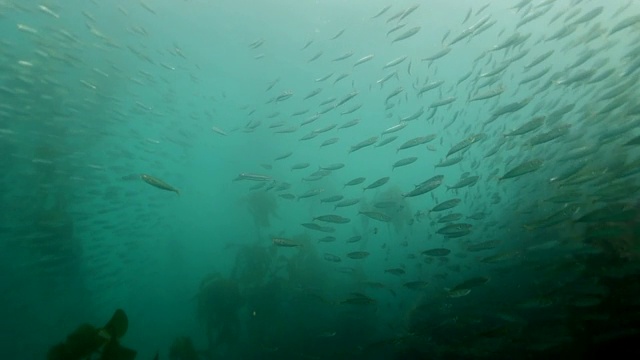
377,183
524,168
346,203
395,128
437,252
332,258
407,34
363,60
376,215
252,177
158,183
359,300
384,10
356,181
416,285
357,255
335,219
404,162
368,142
395,62
284,242
458,293
314,226
331,199
395,271
218,130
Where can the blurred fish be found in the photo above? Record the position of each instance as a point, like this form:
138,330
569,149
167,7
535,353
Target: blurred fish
284,242
158,183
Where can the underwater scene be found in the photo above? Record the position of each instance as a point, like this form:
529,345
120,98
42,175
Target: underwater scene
319,179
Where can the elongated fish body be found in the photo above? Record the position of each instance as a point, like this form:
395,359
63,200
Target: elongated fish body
252,177
282,242
407,34
524,168
370,141
363,60
158,183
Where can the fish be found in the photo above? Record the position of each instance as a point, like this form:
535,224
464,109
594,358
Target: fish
409,10
450,218
624,23
449,161
363,60
331,199
454,228
358,300
316,56
252,177
413,116
310,193
446,205
299,166
467,181
420,140
323,78
471,283
393,94
395,62
396,28
337,35
395,128
416,285
464,144
442,102
407,34
331,258
436,252
437,55
153,181
314,226
381,12
283,156
349,124
426,186
508,109
458,293
395,271
368,142
522,169
335,219
329,142
327,239
332,167
487,95
527,127
346,203
377,183
358,255
375,215
284,96
313,93
404,162
484,245
347,97
356,181
307,44
282,242
386,141
430,86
